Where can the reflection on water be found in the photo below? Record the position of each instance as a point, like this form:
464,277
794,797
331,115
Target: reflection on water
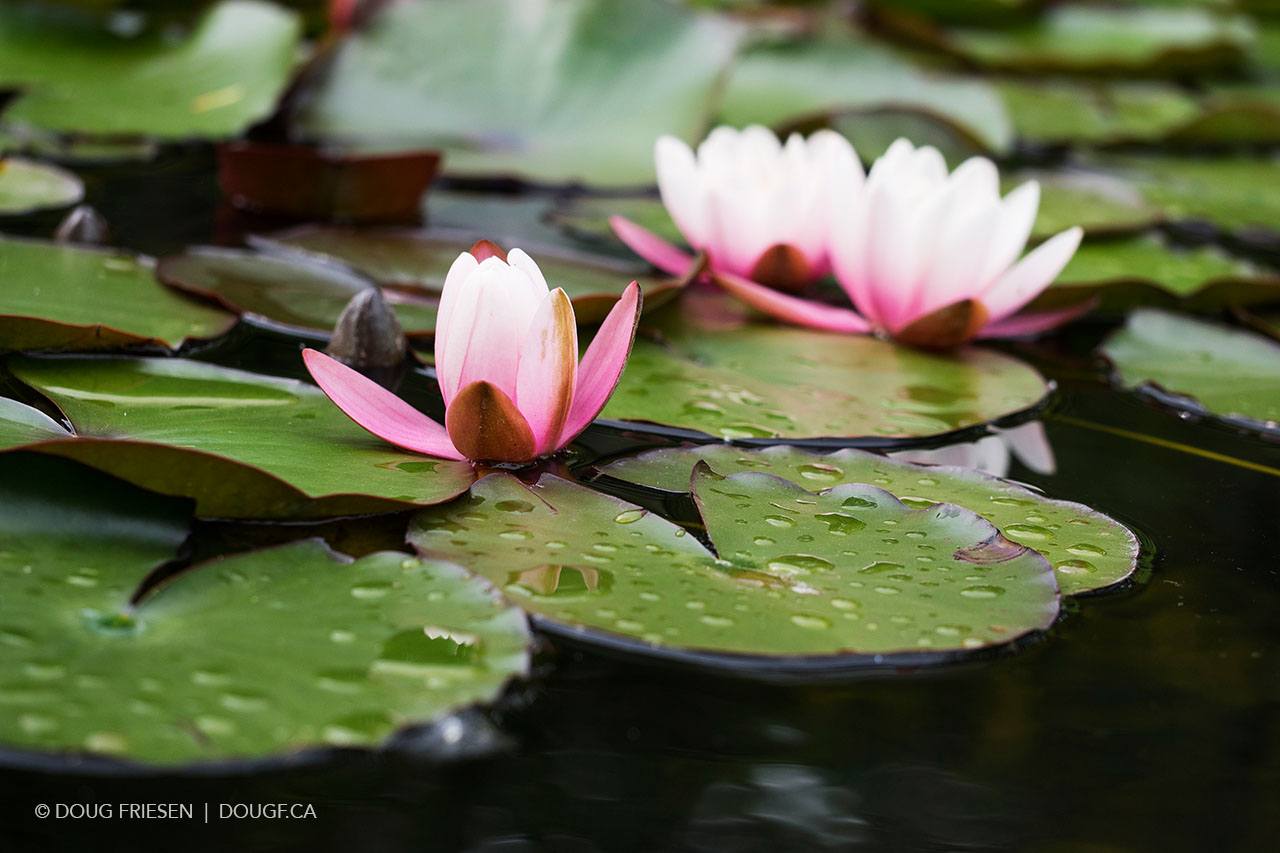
992,454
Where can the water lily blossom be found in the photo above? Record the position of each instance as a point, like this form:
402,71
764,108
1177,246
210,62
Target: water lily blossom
756,207
506,352
926,256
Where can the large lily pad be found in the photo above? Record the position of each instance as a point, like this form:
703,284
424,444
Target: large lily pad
265,652
803,578
1146,269
1068,111
72,298
576,92
404,258
1200,367
784,84
77,76
1083,38
291,289
1088,550
770,382
1100,204
27,186
242,444
1234,193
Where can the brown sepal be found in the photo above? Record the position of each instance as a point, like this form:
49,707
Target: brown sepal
484,425
949,326
782,267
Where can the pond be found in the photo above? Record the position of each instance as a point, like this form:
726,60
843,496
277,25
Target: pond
1126,697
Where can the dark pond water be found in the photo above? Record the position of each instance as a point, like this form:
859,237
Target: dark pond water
1148,720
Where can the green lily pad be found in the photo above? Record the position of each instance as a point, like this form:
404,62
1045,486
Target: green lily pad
576,94
260,653
71,298
1099,203
1064,111
27,186
787,83
770,382
402,258
1146,270
1234,193
79,77
290,289
1088,550
1093,39
1200,367
804,579
242,444
586,217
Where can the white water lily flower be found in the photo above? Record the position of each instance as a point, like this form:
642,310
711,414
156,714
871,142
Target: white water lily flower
755,206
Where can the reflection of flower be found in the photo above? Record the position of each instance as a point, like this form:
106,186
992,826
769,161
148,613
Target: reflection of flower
507,362
925,256
991,454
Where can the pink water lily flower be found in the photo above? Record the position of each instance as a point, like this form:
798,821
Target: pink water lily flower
506,351
754,206
926,256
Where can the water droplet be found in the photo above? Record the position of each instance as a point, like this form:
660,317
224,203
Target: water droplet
780,521
417,652
1084,549
856,501
763,540
371,590
715,621
839,524
342,636
1027,531
513,506
110,742
630,516
821,473
806,620
516,535
1076,567
880,568
982,591
243,703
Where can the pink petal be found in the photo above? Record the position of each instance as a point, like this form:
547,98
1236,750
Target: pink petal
651,247
1025,325
1028,277
603,362
377,409
548,370
802,312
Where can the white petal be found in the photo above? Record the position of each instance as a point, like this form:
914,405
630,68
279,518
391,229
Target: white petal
680,186
1024,281
1016,218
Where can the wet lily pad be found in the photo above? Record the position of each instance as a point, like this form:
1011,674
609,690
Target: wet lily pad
1093,39
1200,367
27,186
804,579
1099,203
576,94
357,650
1104,111
770,382
242,444
586,217
77,76
290,289
404,258
1088,550
787,83
1145,269
71,298
1234,193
